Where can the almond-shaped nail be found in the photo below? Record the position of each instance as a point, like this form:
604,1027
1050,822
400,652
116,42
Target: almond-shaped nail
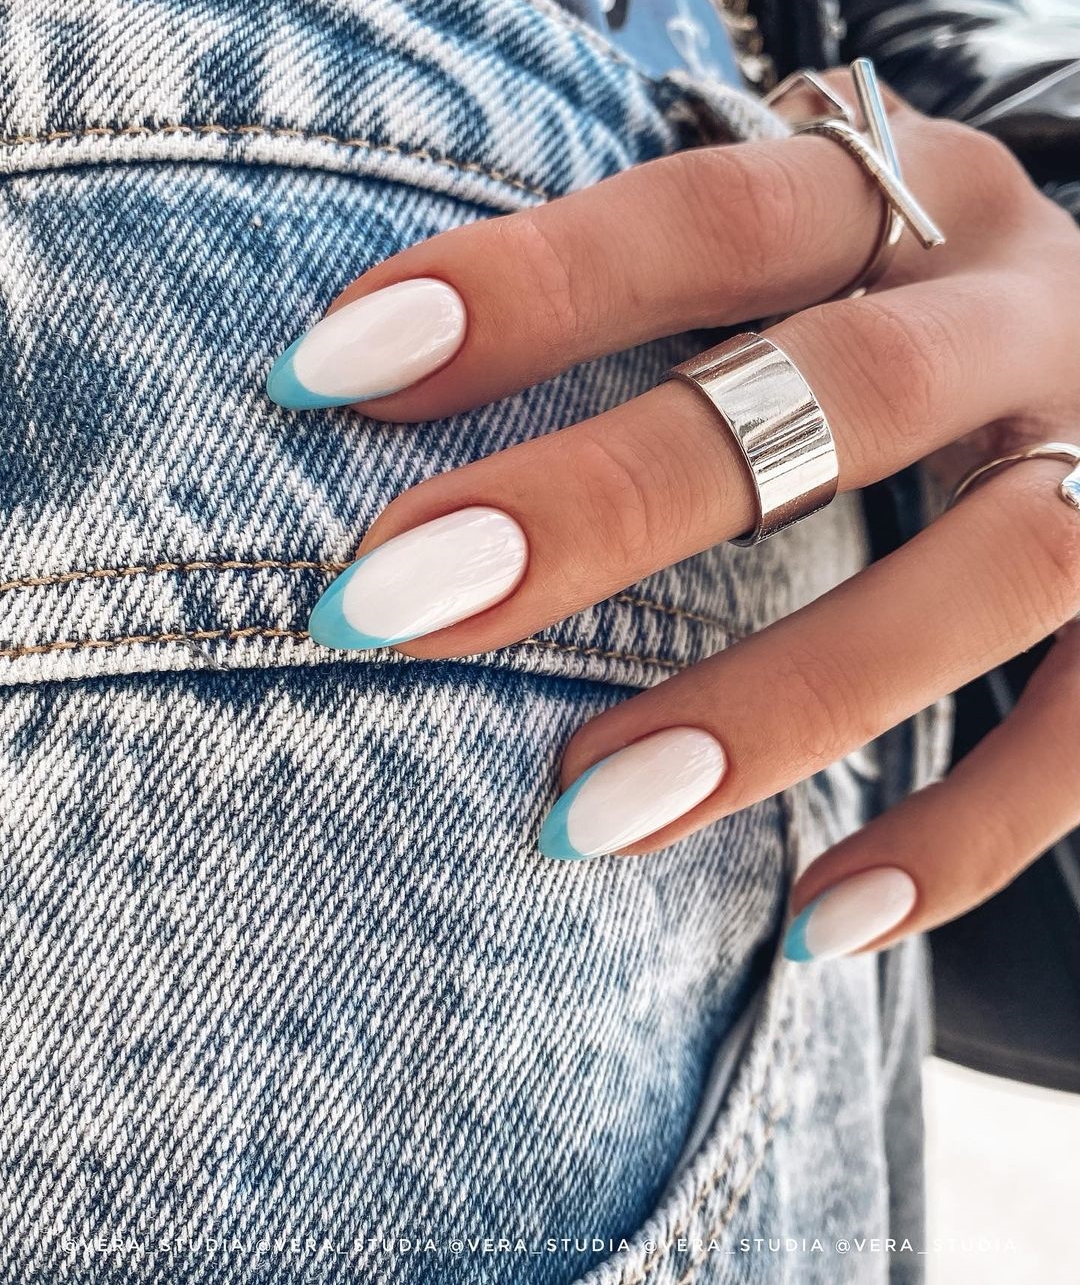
422,580
371,347
633,793
851,914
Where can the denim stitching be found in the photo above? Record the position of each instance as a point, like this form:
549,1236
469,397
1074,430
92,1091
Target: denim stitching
180,568
740,1192
199,635
718,1175
790,1028
719,1169
305,564
276,131
273,631
734,633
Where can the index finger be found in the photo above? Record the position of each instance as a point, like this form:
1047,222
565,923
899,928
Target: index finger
703,238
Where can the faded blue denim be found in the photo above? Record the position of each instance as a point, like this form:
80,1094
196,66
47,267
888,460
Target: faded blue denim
284,978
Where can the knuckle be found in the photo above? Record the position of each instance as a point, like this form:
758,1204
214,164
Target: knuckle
1052,534
557,282
899,362
830,714
618,502
748,208
1001,846
991,173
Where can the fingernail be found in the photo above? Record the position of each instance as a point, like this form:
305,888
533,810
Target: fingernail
632,793
422,580
849,915
371,347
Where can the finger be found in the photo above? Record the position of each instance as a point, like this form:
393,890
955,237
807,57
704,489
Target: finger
607,502
990,578
704,238
952,846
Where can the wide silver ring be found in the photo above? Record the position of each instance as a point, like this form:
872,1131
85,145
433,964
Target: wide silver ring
780,428
1066,452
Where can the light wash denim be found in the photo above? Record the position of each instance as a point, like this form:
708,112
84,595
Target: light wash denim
288,993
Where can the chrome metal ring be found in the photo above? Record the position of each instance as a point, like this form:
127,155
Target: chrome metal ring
1066,452
875,150
781,430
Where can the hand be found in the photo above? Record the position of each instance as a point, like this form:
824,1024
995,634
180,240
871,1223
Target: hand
960,354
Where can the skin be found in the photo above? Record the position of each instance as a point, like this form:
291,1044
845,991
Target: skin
960,354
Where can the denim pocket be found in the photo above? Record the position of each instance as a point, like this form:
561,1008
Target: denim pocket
311,876
281,955
160,513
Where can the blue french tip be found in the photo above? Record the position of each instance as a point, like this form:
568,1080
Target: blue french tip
554,841
286,390
327,624
795,947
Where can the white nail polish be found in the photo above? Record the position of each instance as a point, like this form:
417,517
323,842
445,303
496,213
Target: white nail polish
633,793
423,580
851,913
372,347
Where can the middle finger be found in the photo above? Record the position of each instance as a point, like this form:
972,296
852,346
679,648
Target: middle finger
583,512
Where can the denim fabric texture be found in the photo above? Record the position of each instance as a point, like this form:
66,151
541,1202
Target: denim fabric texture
288,993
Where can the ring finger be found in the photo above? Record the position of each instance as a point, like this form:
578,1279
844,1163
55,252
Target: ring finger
489,553
987,580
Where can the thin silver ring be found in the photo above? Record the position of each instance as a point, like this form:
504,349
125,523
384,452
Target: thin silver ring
779,426
1064,451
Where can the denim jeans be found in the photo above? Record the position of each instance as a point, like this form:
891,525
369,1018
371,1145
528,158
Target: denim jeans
288,993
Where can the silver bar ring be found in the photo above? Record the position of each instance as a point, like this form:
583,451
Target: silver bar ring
875,150
779,426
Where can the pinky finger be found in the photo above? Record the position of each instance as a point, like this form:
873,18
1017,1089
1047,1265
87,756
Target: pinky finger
956,843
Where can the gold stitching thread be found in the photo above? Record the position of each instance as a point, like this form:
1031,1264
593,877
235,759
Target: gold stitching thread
275,131
790,1030
198,635
679,612
297,564
738,1194
271,631
661,1253
158,568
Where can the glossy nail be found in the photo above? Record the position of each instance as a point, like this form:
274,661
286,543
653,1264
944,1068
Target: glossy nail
371,347
633,793
422,580
852,913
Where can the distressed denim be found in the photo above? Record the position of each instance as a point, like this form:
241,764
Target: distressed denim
288,993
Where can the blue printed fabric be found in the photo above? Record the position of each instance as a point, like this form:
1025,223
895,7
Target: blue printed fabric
288,993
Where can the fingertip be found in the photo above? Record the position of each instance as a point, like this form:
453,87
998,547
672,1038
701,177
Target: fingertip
284,388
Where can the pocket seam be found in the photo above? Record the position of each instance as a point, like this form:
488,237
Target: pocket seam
274,631
786,1030
203,129
775,1119
236,633
176,568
